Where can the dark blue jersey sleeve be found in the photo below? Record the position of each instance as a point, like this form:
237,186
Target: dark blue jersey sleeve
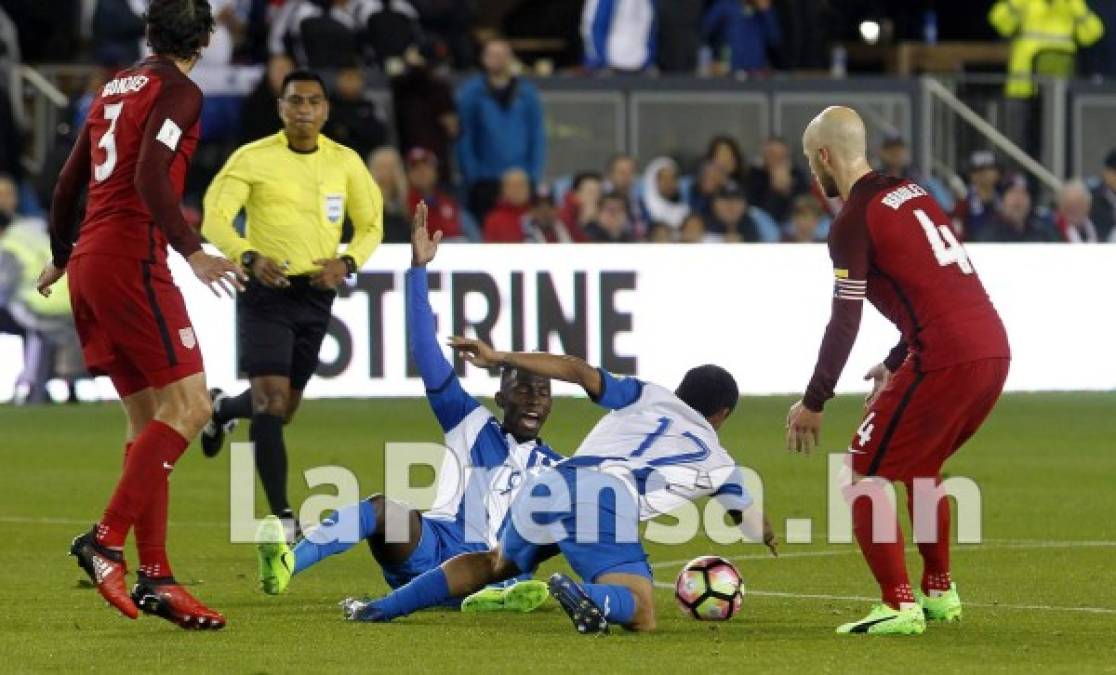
447,398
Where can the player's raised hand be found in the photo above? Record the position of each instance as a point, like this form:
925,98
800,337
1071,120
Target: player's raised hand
423,246
880,375
476,352
803,428
48,277
217,273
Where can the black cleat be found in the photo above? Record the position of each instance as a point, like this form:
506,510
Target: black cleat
587,618
213,433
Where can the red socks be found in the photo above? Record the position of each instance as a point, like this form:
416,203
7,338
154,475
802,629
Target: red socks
141,496
935,555
885,559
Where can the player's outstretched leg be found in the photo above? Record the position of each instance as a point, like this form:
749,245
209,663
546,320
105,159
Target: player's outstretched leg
588,618
106,569
223,420
163,597
522,596
276,560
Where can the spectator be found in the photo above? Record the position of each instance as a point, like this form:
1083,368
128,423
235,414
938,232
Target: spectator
228,32
543,226
1072,217
774,184
387,29
806,222
504,223
425,114
353,119
317,33
662,198
710,179
618,34
613,226
679,35
660,233
729,220
621,175
895,161
1016,219
259,113
978,210
386,168
449,22
1103,213
443,212
746,28
501,127
692,230
118,31
50,344
580,206
725,152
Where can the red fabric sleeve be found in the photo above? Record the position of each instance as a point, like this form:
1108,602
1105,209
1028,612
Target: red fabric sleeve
850,250
64,203
897,356
174,113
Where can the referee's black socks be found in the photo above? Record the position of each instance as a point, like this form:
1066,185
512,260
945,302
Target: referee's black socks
234,407
266,432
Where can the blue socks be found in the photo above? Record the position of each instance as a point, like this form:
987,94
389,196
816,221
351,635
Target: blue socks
308,553
617,602
426,590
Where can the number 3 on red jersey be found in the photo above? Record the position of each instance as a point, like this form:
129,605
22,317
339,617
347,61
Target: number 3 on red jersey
946,248
108,143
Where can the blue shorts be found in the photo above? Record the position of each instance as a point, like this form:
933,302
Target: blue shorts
596,528
440,540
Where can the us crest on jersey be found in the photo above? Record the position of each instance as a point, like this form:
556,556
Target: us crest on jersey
335,207
187,337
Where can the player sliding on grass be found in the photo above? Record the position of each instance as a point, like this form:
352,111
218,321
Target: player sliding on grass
470,508
654,452
136,146
892,244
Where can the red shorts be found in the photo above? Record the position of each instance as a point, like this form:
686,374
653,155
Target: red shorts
132,322
921,419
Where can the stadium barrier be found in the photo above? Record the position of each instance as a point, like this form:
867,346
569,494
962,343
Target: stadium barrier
655,310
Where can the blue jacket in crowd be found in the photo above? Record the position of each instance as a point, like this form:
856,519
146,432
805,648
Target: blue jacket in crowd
496,136
747,31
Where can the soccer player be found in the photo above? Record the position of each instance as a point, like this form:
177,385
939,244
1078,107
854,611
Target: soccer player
892,244
470,510
296,187
136,146
656,450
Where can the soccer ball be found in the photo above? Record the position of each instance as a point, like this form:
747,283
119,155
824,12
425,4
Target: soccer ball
709,589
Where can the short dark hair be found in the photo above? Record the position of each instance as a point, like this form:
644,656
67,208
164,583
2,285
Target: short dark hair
580,178
178,28
299,75
708,389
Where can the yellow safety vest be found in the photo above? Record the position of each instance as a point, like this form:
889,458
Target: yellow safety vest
1045,36
31,247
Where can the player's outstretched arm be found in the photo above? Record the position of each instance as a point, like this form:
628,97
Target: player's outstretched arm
565,368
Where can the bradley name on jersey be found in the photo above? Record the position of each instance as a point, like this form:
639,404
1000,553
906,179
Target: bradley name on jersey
125,85
903,194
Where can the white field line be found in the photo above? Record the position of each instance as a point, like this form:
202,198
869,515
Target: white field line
864,598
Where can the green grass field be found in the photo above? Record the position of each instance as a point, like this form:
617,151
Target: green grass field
1041,590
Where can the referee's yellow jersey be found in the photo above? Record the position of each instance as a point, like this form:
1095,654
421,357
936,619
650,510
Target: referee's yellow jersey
295,203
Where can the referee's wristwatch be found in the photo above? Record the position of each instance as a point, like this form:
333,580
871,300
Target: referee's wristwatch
350,265
248,260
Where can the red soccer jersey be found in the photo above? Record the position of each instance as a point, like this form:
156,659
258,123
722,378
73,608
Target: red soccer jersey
893,245
133,152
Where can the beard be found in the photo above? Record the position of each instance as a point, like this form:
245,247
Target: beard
828,185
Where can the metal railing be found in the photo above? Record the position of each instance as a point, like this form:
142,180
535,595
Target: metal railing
43,101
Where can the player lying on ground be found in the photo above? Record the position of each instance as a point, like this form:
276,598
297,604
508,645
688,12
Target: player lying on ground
467,517
892,244
136,145
653,452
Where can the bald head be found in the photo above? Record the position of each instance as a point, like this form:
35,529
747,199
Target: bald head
836,144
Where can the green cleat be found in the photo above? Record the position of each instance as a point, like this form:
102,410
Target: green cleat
944,607
522,596
275,556
884,620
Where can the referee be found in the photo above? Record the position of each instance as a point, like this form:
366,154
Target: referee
296,188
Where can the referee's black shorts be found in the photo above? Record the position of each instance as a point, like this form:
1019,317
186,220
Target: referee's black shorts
281,329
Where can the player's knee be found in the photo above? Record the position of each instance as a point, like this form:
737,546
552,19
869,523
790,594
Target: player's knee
271,402
644,619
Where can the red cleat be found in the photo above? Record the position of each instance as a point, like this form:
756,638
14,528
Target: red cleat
106,569
163,597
